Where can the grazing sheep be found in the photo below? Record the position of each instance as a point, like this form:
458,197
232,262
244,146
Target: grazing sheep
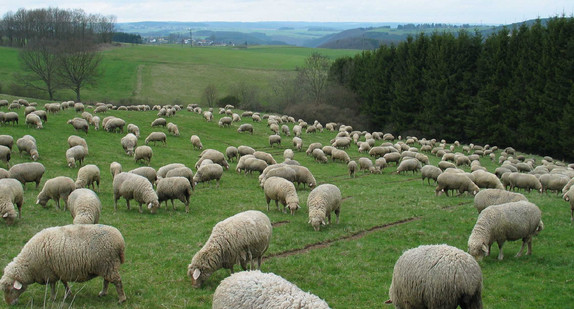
524,181
148,172
553,182
323,200
171,188
143,153
62,254
28,144
443,165
245,150
4,173
75,154
499,223
231,153
5,154
436,276
208,116
6,140
156,137
207,173
115,168
366,165
196,142
34,120
430,172
412,165
319,155
162,171
74,140
132,186
392,157
455,181
11,117
281,190
129,143
251,165
246,127
569,197
79,124
241,239
88,175
135,130
85,206
159,122
342,142
352,166
172,128
225,122
27,172
274,139
11,193
215,156
254,289
282,171
288,154
340,155
487,180
268,158
56,188
303,176
490,197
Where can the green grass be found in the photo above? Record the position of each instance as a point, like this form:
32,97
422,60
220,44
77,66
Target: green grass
347,272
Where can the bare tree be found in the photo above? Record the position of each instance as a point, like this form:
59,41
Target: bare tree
79,63
313,76
210,95
40,60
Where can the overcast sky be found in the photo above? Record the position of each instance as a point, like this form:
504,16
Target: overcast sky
415,11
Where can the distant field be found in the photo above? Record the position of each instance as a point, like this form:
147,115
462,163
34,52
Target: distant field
164,74
349,264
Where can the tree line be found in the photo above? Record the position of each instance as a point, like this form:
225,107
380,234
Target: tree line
512,88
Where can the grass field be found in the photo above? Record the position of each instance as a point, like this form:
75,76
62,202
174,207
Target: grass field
348,264
171,73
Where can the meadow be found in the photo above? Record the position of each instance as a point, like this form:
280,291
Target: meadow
349,264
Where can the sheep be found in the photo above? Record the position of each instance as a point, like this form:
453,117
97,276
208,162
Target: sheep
115,168
282,171
11,193
61,253
268,158
241,239
207,173
34,120
246,127
487,180
85,206
524,181
129,143
297,143
27,172
132,186
430,172
79,107
245,150
208,116
171,188
74,140
499,223
392,157
56,188
143,153
162,171
75,154
5,155
489,197
88,175
455,181
183,171
341,155
196,142
79,124
352,166
281,191
96,122
28,144
412,165
254,289
323,200
304,176
135,130
288,154
569,197
253,164
319,155
156,137
553,182
172,128
148,172
214,155
11,117
225,122
159,122
366,165
343,142
274,139
436,276
6,140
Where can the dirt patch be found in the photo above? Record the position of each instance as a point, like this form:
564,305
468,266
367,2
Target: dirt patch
327,243
280,223
139,84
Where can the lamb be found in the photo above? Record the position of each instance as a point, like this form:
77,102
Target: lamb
455,181
499,223
74,140
436,276
281,190
254,289
319,155
174,188
79,124
323,200
490,197
245,150
274,139
207,173
75,154
129,143
196,142
148,172
143,153
44,256
524,181
162,171
115,168
352,166
5,155
172,128
132,186
487,180
88,175
85,206
159,122
411,164
241,238
11,193
156,137
27,172
56,188
341,155
246,127
28,144
135,130
34,120
430,172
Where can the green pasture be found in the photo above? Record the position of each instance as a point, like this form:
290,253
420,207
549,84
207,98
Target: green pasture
171,73
348,264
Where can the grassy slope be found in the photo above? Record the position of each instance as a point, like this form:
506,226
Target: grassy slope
353,273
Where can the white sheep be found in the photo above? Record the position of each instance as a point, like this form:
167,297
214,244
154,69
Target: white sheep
267,157
54,189
323,200
569,197
303,176
553,182
207,173
245,150
61,254
132,186
85,206
366,165
297,143
143,153
524,181
74,140
281,190
196,142
75,154
288,154
34,120
484,179
28,144
246,127
175,187
340,155
231,153
156,137
239,239
436,276
215,156
253,164
499,223
254,289
489,197
409,164
134,129
129,143
352,167
6,140
430,172
282,170
148,172
455,181
79,124
5,155
312,147
27,172
162,171
115,168
274,139
173,129
159,122
11,193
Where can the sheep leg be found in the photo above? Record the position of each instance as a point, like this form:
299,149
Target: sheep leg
277,203
53,290
172,205
268,200
67,288
128,203
141,209
104,290
500,254
337,212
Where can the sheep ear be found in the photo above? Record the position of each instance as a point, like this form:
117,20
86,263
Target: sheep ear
566,198
323,222
37,202
5,215
149,206
196,274
298,207
485,249
17,285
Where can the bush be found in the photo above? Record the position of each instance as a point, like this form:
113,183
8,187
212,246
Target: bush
232,100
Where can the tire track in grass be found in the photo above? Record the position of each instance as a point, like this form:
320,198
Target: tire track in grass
327,243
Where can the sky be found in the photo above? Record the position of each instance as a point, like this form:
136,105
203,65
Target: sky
490,12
